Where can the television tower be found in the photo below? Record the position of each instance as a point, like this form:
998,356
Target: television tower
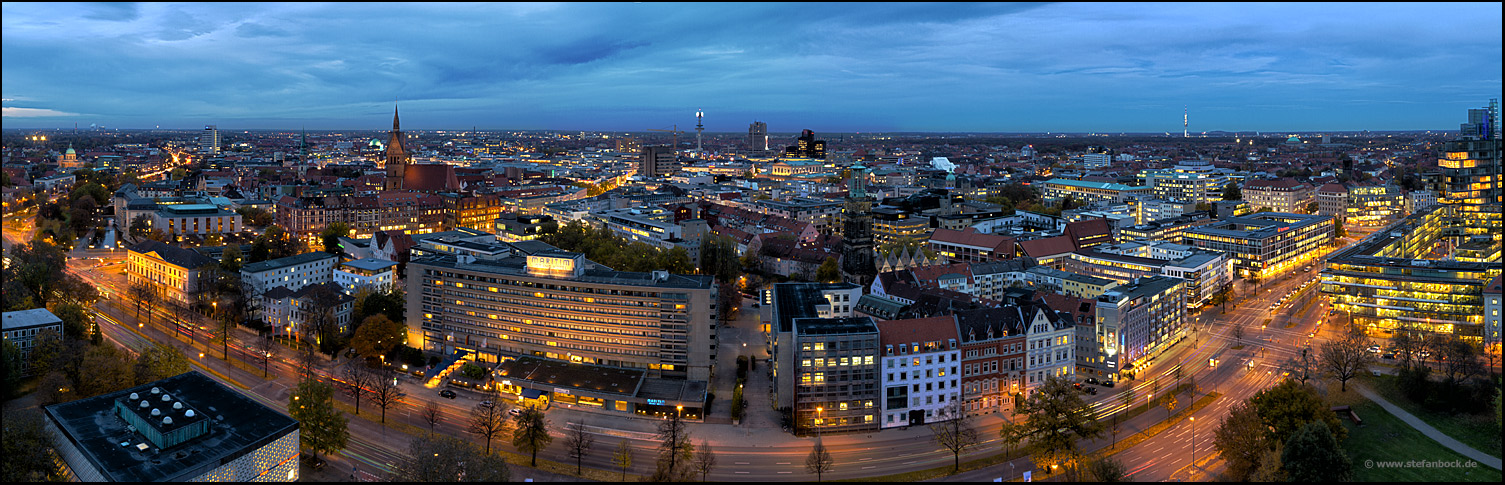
698,128
1184,124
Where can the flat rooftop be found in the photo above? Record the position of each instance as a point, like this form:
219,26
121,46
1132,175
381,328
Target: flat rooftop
237,425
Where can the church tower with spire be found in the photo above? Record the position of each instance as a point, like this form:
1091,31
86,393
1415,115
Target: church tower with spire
397,156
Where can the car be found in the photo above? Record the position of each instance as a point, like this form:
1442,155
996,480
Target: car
515,412
447,393
1311,334
1388,356
1108,383
1092,380
1374,348
488,404
1077,385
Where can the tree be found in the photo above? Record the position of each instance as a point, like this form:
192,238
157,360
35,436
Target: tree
675,449
829,271
531,433
77,321
439,459
151,297
705,460
377,335
138,290
1300,368
323,428
28,448
1460,361
1347,357
231,260
1057,420
1169,402
1286,407
1012,434
577,442
431,415
622,458
331,236
1232,192
1312,455
1407,343
1339,230
384,390
1269,469
819,461
225,323
159,362
486,421
140,225
356,380
1241,439
956,434
1311,207
319,316
1108,470
265,348
103,369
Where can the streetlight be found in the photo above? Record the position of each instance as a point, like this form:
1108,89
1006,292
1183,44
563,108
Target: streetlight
1193,420
818,411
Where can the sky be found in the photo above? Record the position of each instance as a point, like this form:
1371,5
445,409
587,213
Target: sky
828,67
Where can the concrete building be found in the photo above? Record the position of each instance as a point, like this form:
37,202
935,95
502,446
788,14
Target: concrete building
969,246
376,274
1266,243
172,272
1192,181
201,219
657,161
834,362
21,329
921,370
557,305
1137,322
1091,193
185,428
1420,200
289,312
785,302
1492,298
1374,205
292,272
1280,195
1206,272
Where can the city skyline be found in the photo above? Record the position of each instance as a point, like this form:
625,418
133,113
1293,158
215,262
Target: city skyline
980,68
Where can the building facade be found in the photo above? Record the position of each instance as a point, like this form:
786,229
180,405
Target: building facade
174,273
1267,243
22,327
1138,321
920,375
557,305
1280,195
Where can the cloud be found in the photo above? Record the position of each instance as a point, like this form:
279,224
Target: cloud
10,112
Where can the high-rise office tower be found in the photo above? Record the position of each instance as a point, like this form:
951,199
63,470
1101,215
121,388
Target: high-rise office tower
657,161
757,136
397,155
209,141
1471,164
807,147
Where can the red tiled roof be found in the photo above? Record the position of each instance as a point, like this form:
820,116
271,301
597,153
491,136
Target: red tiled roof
917,330
970,237
1037,248
430,177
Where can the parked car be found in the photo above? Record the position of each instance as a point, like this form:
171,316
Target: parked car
1092,380
514,412
1092,391
1108,383
488,403
447,393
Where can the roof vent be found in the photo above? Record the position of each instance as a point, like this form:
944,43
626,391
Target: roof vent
156,390
166,398
144,404
156,412
167,421
177,405
134,396
188,413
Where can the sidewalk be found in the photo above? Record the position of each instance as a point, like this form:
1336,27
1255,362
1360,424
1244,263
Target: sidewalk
1427,429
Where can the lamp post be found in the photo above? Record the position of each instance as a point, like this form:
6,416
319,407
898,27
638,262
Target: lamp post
818,411
1193,420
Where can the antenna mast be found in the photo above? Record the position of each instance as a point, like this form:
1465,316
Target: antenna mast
698,128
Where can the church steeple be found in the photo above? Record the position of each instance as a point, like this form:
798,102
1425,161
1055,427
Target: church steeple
395,126
397,155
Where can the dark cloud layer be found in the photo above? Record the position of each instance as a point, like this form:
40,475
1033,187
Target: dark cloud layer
825,66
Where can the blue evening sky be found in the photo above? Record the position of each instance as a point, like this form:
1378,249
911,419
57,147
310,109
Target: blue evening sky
837,67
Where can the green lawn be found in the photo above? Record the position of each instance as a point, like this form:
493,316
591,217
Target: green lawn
1478,430
1386,438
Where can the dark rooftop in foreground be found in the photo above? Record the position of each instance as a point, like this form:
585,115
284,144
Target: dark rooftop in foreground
579,376
835,326
234,425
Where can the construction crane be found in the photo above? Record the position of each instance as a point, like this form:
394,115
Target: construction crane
674,130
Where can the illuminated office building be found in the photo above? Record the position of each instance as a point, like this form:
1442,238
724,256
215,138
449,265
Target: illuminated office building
1374,205
557,305
1267,243
1410,275
1191,181
807,147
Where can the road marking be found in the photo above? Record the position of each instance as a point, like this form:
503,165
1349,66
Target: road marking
741,463
782,463
742,472
910,462
869,466
786,472
865,459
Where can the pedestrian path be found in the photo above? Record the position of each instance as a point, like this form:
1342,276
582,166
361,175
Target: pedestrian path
1427,429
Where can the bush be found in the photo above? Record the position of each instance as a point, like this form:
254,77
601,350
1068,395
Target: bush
741,368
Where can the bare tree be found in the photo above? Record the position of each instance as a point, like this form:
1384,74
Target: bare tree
1408,343
1300,367
486,421
307,362
819,461
1238,333
1460,361
705,459
674,446
384,390
956,434
265,349
151,298
431,415
622,458
138,291
531,433
1347,357
356,380
578,442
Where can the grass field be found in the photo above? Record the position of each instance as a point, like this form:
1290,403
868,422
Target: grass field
1385,438
1478,430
